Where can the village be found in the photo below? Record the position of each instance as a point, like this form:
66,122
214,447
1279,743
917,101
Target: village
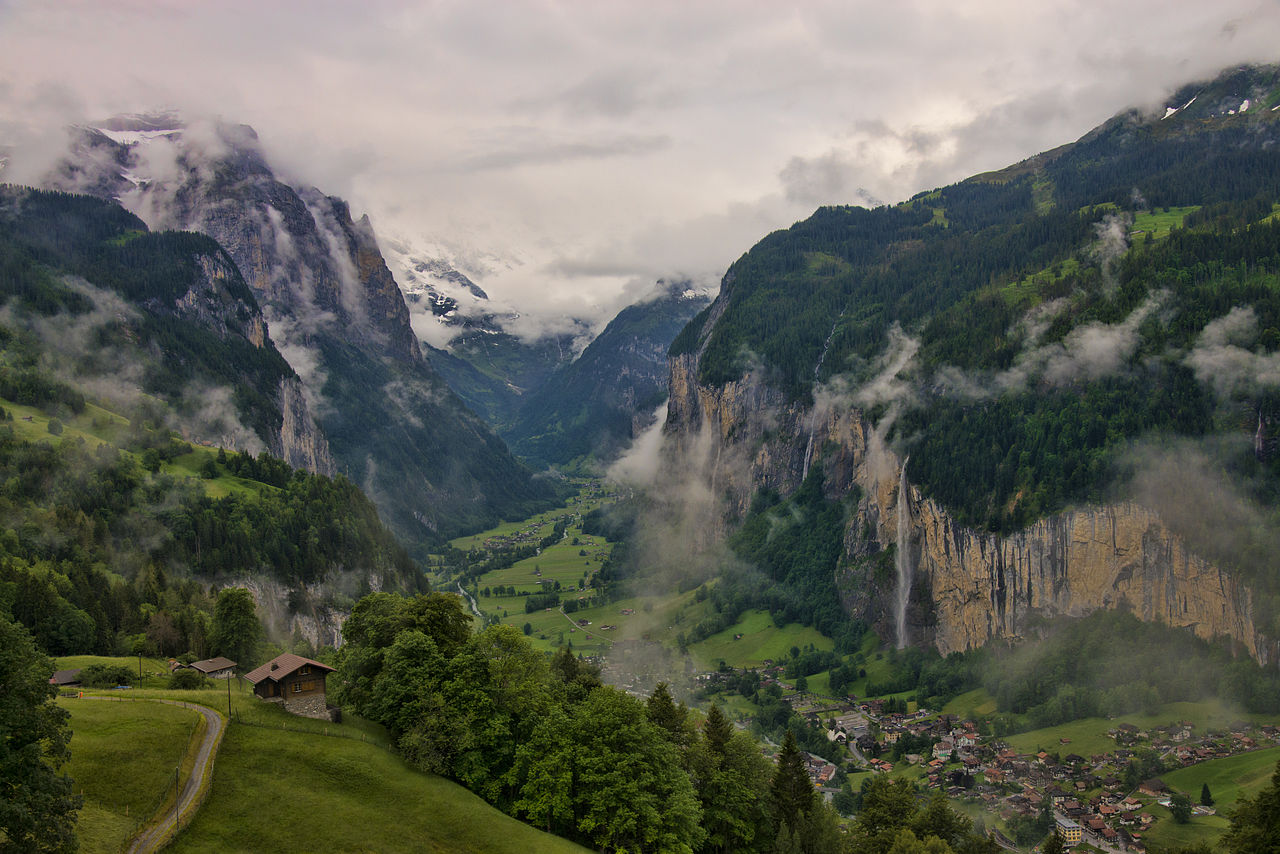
1101,800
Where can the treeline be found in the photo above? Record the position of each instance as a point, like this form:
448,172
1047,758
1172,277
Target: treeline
99,555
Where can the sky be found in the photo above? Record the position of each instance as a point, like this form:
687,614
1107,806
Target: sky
567,154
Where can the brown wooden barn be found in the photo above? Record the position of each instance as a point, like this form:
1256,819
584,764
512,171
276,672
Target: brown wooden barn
295,682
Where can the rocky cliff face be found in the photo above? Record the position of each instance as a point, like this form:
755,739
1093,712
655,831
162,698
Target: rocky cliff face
967,586
302,445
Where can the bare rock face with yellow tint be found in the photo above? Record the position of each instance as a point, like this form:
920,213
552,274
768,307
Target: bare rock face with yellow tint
968,586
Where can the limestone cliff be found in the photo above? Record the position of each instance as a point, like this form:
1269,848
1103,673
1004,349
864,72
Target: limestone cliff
968,586
302,444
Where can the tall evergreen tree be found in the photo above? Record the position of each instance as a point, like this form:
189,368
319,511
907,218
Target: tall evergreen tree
717,730
791,793
236,630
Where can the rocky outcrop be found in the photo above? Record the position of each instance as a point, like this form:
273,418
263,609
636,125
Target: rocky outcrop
968,586
306,611
302,445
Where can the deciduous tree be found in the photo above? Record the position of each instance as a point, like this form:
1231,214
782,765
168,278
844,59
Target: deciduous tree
37,805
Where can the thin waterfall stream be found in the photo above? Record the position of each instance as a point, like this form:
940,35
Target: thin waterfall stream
817,369
903,559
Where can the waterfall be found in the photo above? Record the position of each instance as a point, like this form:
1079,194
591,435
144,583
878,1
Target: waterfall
903,559
813,416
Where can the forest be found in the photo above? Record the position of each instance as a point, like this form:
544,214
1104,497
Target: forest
544,740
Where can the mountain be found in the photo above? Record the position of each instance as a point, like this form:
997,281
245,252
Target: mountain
594,406
1041,391
333,309
467,337
112,337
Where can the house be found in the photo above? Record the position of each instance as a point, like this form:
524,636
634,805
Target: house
214,668
61,678
1153,787
295,682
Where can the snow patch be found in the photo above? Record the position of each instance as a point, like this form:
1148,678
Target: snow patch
133,137
1168,111
1244,105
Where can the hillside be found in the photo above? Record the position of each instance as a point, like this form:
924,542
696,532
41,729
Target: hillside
993,375
340,775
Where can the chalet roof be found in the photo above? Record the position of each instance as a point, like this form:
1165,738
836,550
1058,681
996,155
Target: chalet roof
281,666
65,677
212,665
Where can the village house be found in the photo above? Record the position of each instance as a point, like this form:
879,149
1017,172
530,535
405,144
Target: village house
214,668
65,678
295,682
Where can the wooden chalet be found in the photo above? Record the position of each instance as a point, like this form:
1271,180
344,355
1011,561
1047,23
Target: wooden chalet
295,682
214,668
65,678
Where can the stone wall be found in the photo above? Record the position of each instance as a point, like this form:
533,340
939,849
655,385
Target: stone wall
308,706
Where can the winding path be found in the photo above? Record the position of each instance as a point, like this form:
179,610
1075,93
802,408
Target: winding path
161,829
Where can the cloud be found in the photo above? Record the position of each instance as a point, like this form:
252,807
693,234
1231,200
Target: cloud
632,140
526,147
1221,357
1088,352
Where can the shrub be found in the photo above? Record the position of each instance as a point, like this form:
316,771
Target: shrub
106,676
186,679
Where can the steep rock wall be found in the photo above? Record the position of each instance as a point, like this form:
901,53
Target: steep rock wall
968,586
302,444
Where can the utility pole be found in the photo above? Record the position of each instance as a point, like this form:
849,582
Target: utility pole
229,678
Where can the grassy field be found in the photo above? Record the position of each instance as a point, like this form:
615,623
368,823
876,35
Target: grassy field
572,562
760,640
1159,222
1228,778
1089,735
148,739
97,426
342,785
971,704
290,791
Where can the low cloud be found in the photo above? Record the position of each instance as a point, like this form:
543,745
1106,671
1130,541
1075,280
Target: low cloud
1088,352
1222,359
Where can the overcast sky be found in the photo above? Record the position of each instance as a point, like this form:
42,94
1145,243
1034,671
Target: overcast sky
566,151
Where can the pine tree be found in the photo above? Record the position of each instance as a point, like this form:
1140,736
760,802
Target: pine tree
791,793
1206,799
717,730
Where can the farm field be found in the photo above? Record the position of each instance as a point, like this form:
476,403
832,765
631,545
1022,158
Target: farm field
149,739
760,640
1089,735
356,794
1228,778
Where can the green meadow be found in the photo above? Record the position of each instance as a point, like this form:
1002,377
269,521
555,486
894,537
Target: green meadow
760,640
353,793
150,740
294,791
1089,735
